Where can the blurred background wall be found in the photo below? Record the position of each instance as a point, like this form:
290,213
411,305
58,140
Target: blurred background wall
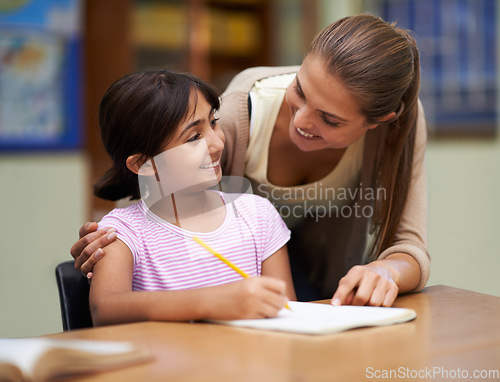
45,183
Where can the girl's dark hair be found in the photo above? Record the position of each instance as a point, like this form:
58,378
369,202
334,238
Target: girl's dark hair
138,114
380,64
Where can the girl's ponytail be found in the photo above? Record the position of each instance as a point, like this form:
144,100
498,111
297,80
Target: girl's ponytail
115,185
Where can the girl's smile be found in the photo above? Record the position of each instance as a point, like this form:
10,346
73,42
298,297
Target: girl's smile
212,165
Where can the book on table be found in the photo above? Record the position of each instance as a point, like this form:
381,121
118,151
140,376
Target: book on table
46,359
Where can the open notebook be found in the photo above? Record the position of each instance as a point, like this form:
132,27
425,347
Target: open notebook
45,359
314,318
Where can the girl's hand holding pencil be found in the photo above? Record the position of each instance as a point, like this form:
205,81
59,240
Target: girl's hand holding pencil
258,296
255,297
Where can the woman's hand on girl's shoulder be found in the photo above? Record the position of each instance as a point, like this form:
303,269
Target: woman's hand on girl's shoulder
372,284
87,251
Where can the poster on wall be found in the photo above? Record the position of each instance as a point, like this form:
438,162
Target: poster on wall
40,75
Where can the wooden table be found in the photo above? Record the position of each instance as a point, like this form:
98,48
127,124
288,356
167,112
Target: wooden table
456,334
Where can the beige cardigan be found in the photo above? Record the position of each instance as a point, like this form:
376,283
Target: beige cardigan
328,248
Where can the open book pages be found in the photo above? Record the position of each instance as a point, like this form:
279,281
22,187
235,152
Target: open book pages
314,318
41,359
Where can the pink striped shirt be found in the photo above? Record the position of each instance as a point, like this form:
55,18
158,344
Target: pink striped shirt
166,256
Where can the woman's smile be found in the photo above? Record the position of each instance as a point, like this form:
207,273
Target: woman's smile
306,134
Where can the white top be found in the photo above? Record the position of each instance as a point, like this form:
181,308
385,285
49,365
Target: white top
321,198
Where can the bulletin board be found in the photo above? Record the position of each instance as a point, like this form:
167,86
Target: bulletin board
40,75
458,47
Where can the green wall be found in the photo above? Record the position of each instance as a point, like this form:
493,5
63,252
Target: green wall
44,201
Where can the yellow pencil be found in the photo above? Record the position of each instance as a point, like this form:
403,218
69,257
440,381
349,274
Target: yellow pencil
224,260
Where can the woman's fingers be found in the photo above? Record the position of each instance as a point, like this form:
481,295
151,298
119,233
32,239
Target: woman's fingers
346,288
87,228
366,285
85,237
88,265
391,296
88,249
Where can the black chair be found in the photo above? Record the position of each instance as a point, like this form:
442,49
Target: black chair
73,296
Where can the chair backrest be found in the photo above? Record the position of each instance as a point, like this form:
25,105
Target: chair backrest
73,296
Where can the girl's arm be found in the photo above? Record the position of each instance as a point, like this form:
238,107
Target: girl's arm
112,300
278,266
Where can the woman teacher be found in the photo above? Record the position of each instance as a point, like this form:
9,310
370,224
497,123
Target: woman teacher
337,145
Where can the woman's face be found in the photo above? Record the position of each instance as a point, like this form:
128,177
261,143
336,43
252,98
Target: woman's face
323,113
191,159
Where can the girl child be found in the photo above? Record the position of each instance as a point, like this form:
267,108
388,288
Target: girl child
161,133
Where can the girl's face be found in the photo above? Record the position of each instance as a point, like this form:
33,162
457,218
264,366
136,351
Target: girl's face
191,159
323,113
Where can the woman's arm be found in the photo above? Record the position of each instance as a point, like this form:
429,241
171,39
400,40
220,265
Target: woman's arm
405,266
113,301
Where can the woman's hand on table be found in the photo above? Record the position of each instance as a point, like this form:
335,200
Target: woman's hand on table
378,283
370,284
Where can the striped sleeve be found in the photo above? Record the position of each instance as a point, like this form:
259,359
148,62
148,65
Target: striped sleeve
275,232
121,219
